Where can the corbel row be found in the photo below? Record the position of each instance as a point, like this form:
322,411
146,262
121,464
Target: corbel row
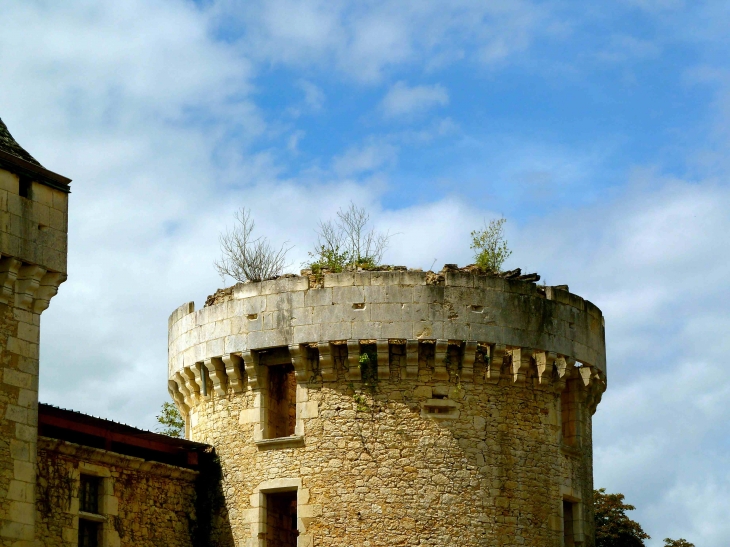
27,286
515,365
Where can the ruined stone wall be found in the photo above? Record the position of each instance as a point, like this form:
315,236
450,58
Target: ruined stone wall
141,504
32,266
449,432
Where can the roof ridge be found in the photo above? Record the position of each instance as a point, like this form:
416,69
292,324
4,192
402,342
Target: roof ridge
10,145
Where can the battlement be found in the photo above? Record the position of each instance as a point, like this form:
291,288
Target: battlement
504,329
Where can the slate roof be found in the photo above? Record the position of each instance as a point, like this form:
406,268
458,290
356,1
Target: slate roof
16,159
87,430
10,145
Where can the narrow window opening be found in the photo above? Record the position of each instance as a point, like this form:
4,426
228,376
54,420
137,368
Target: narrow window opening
568,524
25,188
89,530
89,494
572,524
282,407
89,533
281,519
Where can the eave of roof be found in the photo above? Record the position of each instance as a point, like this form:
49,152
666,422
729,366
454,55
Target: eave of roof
115,431
16,159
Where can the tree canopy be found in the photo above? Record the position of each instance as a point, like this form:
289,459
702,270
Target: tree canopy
613,527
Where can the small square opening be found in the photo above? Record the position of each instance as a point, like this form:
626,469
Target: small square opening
282,403
281,519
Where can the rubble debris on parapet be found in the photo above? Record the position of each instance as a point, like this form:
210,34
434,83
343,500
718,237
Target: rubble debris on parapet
432,278
219,296
435,278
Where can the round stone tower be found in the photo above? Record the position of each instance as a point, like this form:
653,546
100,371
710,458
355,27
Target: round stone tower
392,408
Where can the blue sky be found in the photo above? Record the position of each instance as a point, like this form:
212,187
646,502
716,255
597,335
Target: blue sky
600,130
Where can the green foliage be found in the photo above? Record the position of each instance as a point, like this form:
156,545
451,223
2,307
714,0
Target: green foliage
328,258
613,527
173,422
489,246
368,364
677,543
347,243
361,403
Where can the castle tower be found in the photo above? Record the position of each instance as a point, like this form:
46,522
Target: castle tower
33,229
394,408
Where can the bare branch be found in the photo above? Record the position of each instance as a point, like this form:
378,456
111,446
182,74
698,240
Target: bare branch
246,258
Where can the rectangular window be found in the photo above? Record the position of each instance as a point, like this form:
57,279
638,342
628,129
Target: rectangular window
282,401
572,524
89,494
281,519
89,533
25,187
568,524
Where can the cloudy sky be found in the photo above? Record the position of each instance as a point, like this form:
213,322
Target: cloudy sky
600,130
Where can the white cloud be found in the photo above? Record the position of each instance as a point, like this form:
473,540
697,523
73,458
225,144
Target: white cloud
364,159
366,40
313,96
404,100
654,260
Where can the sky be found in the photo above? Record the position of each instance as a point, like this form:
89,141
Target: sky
599,130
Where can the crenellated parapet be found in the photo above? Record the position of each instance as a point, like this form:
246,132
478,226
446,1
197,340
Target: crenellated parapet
476,328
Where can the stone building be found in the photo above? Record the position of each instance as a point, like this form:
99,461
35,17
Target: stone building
397,407
67,479
374,408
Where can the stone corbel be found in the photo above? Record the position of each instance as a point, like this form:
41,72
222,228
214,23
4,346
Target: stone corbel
411,371
250,364
299,360
598,386
545,361
521,359
496,361
383,359
26,285
563,369
217,373
467,365
353,360
183,388
192,386
8,274
48,289
178,397
232,363
441,353
326,362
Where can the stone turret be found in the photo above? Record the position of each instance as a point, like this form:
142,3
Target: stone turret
394,408
33,230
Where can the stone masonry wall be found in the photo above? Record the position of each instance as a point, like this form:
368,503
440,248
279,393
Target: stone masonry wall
143,504
430,410
373,471
32,266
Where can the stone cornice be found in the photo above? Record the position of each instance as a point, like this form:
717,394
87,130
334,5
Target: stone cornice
27,286
99,456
